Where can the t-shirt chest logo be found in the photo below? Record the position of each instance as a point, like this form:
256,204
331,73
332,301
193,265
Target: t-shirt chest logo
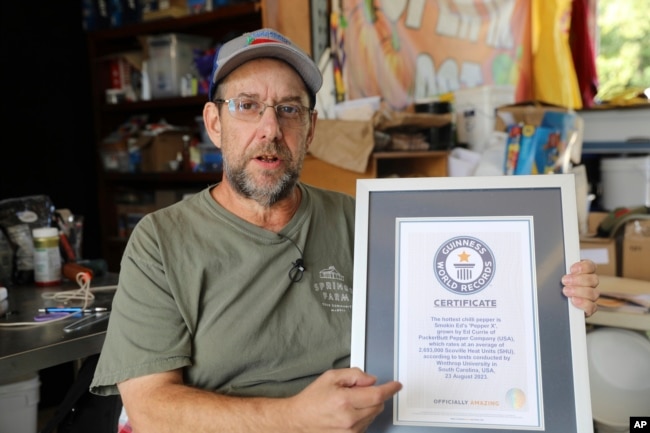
334,293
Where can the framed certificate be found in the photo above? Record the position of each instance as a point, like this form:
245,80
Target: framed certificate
458,295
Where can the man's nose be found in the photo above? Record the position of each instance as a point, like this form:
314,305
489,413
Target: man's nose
269,121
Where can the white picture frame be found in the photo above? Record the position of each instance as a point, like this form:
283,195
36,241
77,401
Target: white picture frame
401,227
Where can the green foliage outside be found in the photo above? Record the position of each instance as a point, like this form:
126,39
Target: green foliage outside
623,50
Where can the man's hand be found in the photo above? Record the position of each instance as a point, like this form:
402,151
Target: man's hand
581,286
342,400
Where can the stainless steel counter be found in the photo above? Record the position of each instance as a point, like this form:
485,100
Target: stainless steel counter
27,349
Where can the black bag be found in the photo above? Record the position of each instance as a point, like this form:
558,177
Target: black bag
84,412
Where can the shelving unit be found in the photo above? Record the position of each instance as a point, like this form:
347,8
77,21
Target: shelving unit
115,186
103,44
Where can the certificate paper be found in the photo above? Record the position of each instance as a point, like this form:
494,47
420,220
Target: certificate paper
466,323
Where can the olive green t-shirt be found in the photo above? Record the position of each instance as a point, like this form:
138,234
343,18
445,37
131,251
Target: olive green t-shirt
203,290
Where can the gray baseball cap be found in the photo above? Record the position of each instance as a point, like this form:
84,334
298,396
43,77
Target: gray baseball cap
259,44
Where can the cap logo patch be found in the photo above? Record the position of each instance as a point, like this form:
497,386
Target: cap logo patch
257,41
265,35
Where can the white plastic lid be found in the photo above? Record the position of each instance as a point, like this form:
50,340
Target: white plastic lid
45,232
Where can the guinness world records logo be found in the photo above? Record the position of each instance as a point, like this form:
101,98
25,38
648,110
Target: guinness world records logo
464,265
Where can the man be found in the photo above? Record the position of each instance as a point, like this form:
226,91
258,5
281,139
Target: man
220,321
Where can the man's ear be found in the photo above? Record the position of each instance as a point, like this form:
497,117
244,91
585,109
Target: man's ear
212,122
312,129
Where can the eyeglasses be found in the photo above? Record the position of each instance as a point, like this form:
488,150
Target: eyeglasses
251,110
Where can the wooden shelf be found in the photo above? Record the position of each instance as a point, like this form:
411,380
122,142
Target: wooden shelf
235,18
190,23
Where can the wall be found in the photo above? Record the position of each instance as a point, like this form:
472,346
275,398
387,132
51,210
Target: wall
47,121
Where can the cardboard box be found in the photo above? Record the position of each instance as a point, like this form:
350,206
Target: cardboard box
636,250
348,144
171,58
593,221
158,150
344,143
602,251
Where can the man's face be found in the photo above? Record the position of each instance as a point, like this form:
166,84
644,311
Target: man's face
262,156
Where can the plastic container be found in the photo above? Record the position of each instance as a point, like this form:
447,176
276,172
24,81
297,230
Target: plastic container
475,110
47,256
171,57
19,406
618,376
625,182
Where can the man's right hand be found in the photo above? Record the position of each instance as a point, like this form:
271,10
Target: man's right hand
341,400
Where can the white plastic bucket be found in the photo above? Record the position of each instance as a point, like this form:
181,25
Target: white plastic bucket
619,369
19,406
625,182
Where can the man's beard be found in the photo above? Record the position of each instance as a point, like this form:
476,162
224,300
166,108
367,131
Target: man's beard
270,193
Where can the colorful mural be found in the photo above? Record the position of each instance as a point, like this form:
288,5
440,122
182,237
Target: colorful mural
410,50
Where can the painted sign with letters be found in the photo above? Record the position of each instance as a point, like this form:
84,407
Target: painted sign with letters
408,50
